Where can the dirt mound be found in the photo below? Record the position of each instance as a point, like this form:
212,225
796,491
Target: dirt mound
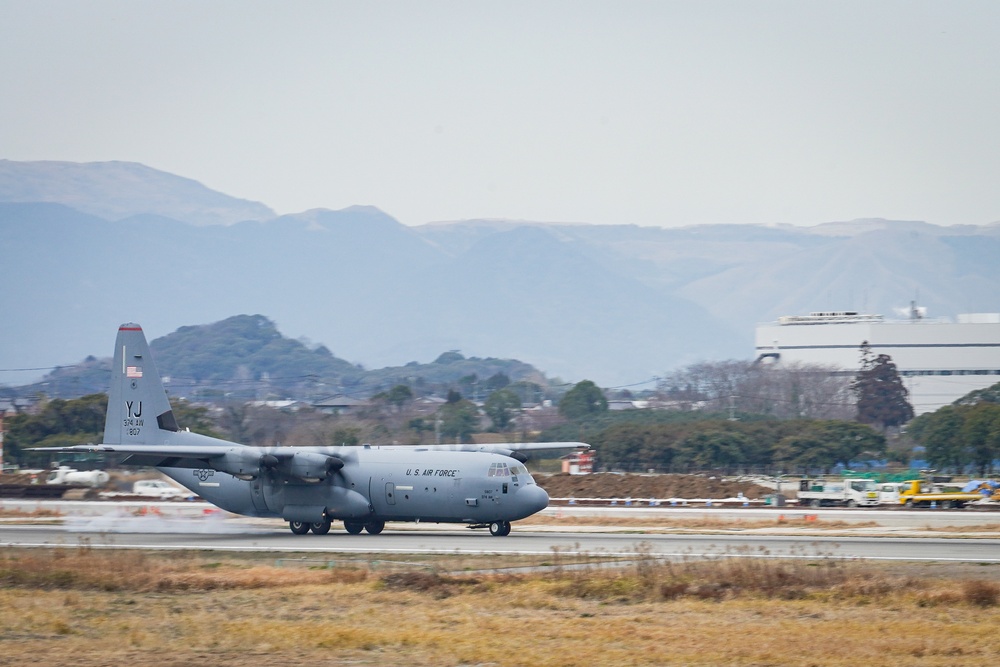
613,485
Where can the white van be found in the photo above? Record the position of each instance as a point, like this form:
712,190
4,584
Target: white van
156,488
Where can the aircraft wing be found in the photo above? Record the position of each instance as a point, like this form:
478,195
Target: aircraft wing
172,456
193,451
238,460
509,446
518,450
537,446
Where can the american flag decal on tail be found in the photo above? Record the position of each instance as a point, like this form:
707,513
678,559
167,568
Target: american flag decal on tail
133,372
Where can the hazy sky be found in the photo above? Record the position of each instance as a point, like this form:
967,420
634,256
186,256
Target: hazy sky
654,113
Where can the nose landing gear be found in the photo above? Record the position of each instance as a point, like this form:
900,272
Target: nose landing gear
500,528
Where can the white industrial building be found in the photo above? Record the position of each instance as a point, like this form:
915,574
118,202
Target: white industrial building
940,360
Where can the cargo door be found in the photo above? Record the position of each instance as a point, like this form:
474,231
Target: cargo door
257,493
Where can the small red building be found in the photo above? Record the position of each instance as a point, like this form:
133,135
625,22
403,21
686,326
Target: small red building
578,463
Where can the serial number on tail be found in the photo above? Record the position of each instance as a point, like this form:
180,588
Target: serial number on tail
133,423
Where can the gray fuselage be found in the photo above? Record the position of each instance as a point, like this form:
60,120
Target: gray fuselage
382,483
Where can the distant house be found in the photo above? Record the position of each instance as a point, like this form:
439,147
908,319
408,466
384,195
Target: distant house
340,404
578,463
426,404
284,406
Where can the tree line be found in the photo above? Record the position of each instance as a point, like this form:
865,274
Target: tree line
64,423
726,431
718,444
960,437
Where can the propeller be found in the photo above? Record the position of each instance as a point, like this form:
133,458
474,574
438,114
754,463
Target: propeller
309,466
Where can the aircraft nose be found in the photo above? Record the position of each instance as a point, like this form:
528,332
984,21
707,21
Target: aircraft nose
534,498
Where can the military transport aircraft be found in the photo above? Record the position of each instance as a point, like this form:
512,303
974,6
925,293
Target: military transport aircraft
363,486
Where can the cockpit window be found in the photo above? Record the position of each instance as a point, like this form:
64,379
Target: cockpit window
504,470
499,470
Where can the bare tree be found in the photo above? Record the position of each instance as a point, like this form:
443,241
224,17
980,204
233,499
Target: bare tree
256,425
786,391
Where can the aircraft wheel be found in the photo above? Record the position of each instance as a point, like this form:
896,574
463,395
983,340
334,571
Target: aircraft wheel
375,527
353,527
500,528
299,527
320,527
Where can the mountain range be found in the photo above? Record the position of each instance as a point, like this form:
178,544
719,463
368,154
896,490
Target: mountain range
87,246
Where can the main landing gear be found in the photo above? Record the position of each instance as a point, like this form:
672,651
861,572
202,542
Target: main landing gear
323,527
373,527
303,527
299,527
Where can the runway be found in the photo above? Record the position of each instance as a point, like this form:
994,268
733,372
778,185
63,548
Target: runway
887,517
190,534
200,526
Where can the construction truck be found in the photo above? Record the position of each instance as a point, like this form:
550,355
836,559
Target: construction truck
838,493
924,493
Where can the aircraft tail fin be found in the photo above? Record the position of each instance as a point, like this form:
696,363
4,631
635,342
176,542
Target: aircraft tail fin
138,409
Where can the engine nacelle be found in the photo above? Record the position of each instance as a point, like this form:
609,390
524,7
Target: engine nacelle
517,456
243,463
312,466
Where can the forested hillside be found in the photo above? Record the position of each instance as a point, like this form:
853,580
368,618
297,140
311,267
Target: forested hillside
246,357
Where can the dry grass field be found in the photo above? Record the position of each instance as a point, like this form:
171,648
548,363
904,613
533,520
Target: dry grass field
90,607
